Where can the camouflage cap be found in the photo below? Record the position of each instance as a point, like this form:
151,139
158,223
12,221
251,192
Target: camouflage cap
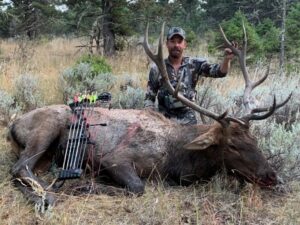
176,31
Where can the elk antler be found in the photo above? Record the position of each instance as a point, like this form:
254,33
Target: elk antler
253,116
264,109
269,110
241,54
158,59
249,84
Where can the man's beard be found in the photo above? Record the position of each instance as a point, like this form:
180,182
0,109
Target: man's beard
175,53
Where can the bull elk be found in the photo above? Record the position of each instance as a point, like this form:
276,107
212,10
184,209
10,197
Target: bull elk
139,144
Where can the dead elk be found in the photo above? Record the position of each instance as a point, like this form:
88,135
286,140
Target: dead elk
137,144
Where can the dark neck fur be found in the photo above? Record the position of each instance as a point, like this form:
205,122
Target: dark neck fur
187,166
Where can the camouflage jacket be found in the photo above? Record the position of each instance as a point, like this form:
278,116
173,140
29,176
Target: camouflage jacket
191,69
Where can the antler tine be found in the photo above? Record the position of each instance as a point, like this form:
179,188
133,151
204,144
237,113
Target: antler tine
161,42
245,41
259,110
158,59
146,45
228,44
252,116
241,54
178,86
261,80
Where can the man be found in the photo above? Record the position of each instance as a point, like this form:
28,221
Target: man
178,65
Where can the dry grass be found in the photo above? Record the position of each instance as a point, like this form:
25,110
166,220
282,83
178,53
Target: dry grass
213,203
43,60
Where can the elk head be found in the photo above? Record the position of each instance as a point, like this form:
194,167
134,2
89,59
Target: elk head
230,136
237,149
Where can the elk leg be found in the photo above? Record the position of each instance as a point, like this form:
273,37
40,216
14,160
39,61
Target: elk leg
28,192
22,170
125,175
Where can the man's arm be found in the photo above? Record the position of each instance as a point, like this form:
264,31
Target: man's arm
213,70
225,66
217,70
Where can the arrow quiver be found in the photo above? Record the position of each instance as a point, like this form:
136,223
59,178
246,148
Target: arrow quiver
82,107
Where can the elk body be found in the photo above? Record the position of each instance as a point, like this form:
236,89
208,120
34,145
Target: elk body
139,144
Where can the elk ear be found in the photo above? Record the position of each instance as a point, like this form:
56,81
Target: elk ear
203,142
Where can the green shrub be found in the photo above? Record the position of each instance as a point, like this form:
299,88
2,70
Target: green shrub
131,98
191,37
210,37
8,107
269,35
282,148
127,80
97,63
26,93
82,78
233,29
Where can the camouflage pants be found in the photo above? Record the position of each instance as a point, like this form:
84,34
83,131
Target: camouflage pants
184,116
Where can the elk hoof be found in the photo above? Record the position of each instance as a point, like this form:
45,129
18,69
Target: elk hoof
137,189
45,203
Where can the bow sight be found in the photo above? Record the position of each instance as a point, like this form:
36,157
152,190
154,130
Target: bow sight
82,107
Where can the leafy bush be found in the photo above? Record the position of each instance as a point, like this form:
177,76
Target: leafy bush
86,76
104,82
26,93
8,107
233,29
269,35
282,148
26,96
97,63
131,98
262,39
191,37
210,38
127,80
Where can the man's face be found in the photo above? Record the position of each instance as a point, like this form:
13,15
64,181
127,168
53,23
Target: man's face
175,46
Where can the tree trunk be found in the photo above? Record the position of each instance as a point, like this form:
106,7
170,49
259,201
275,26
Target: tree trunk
109,45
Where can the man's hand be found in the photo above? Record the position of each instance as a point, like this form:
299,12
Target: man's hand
229,55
